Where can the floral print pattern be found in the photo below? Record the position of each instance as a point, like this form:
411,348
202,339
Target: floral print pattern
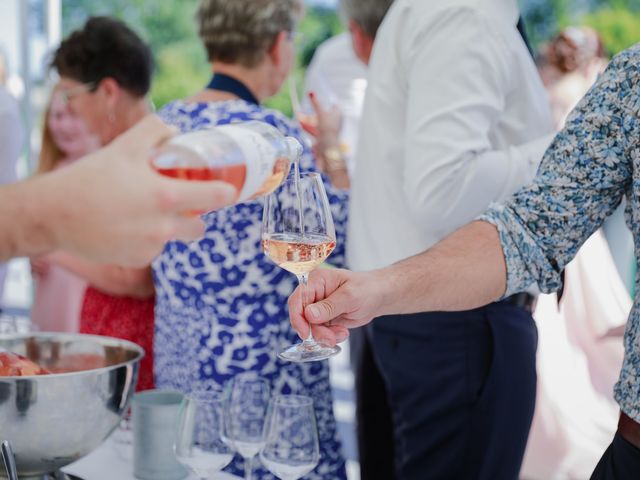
221,304
592,164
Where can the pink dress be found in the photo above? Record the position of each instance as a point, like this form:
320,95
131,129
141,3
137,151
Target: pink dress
57,301
579,356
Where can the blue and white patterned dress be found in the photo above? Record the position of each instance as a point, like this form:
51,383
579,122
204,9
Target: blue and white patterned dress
221,304
591,165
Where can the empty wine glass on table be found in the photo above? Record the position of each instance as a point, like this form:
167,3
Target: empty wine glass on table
199,443
298,235
291,448
245,413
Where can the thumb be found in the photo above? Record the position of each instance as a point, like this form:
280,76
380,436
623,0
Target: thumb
325,310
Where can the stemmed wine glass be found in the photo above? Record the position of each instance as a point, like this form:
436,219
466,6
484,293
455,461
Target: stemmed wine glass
199,443
245,413
291,448
302,107
298,235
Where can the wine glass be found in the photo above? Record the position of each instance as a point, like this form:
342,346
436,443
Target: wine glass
199,443
302,108
298,235
291,448
245,414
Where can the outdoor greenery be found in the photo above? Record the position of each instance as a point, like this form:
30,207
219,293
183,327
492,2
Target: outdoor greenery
169,27
617,21
182,69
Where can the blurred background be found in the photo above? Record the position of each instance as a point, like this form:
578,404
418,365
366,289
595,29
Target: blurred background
30,29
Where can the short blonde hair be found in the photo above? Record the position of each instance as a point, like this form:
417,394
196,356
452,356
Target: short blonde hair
242,31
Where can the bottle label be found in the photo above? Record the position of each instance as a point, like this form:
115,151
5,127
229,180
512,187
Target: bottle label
259,155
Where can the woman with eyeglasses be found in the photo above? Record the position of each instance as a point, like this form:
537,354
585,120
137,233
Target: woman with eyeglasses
220,303
105,75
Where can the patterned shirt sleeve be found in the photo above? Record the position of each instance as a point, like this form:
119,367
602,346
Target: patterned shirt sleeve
581,180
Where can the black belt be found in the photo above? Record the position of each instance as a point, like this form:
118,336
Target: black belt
629,429
523,299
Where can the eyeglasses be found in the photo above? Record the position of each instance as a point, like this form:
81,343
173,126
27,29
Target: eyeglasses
66,94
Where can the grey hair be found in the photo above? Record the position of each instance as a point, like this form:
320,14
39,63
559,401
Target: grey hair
242,31
367,14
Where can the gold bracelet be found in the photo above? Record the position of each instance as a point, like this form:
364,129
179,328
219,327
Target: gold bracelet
334,160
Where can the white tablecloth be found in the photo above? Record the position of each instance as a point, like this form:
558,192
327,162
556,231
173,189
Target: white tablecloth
114,461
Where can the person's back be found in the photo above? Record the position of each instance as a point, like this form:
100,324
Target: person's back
11,140
223,291
455,117
221,303
395,109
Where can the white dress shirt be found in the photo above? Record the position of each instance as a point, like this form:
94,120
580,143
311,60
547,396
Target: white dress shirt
11,139
338,77
455,117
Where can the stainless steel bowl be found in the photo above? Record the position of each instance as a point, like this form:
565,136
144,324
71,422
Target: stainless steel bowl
53,420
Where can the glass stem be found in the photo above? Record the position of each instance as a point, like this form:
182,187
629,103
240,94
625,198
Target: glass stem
248,470
303,280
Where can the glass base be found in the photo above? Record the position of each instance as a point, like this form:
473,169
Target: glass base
308,351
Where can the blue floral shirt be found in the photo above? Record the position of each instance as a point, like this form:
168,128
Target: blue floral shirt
591,165
221,304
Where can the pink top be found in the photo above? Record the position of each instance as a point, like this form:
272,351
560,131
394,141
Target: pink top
58,300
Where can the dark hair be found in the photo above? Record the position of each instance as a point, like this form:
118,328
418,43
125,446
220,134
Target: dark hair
106,47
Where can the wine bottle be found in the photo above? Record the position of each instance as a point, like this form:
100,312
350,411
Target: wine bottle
253,156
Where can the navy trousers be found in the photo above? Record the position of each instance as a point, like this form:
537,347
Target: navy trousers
621,461
461,391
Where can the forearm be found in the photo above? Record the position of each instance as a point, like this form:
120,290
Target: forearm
465,270
23,231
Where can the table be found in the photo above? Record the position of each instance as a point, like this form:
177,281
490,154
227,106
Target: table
114,460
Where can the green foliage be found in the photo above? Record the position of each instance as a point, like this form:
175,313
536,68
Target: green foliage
618,21
169,27
619,27
181,71
318,25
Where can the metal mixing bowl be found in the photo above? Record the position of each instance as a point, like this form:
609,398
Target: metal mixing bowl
53,420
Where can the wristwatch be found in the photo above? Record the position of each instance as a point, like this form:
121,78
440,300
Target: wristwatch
334,160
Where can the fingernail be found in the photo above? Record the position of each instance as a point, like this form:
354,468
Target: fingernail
313,312
312,95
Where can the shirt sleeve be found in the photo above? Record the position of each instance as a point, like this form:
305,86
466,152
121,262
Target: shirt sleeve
459,81
582,179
